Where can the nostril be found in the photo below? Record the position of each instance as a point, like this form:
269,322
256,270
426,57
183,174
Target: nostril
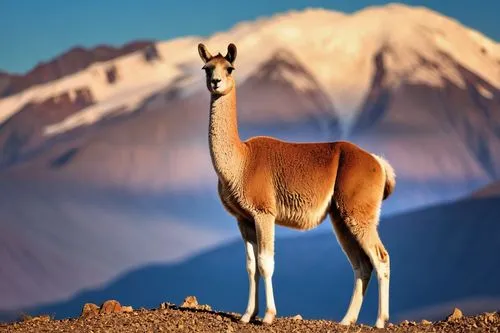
215,80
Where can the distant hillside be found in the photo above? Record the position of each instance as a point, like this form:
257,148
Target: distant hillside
56,240
491,190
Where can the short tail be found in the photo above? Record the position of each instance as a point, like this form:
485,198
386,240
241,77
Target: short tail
390,176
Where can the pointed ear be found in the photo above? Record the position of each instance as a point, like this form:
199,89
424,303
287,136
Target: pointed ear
231,53
204,54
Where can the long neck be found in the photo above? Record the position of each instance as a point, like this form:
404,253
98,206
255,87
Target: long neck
226,149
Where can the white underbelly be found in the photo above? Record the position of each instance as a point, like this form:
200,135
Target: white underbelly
303,217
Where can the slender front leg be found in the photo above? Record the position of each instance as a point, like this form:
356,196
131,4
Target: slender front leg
264,225
247,230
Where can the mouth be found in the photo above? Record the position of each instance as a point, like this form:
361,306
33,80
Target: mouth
216,88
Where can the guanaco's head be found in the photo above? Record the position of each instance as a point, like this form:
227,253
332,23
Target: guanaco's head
218,69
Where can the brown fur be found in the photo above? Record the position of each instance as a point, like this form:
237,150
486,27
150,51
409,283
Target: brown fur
264,180
290,180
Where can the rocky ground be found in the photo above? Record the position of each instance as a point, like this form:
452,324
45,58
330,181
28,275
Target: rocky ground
192,317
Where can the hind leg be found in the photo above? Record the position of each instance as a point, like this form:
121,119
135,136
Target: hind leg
249,236
380,260
361,266
358,195
360,216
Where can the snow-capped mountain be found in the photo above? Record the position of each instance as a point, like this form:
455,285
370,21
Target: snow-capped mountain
405,82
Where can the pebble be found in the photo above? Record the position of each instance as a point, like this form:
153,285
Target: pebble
455,315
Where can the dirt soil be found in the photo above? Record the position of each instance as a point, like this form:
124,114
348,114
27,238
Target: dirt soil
172,318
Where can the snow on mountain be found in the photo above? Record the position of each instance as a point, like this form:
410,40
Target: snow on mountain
336,48
72,61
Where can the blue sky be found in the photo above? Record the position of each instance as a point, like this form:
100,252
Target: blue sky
37,30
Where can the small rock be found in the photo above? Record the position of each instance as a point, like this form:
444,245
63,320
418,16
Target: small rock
26,317
190,302
390,325
110,306
204,307
456,314
297,317
41,318
127,308
405,323
489,317
426,322
180,326
89,309
229,329
166,305
218,317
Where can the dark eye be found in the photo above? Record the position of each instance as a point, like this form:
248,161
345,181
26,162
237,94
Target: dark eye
207,70
230,70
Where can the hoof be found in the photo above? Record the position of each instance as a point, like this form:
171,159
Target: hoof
245,318
380,323
347,322
269,318
248,316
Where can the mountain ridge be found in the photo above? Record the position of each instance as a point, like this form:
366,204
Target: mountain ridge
69,62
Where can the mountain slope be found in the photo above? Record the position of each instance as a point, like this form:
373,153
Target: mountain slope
56,240
441,257
68,63
492,190
174,142
467,111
